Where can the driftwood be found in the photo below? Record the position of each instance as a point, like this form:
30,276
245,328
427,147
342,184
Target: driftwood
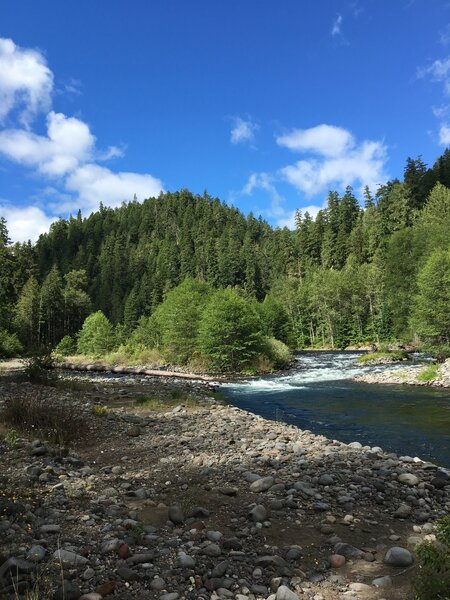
96,368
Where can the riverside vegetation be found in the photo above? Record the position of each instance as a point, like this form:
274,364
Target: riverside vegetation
188,280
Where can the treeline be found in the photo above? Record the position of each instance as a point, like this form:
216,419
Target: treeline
349,276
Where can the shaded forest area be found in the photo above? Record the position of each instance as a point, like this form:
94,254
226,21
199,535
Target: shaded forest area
349,276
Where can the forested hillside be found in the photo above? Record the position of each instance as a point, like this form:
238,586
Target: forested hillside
351,275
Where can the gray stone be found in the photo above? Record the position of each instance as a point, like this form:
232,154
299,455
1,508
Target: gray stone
349,551
398,557
157,584
212,550
127,574
176,515
50,528
185,561
220,569
408,479
67,591
69,559
385,581
36,553
326,479
284,593
258,513
262,485
403,511
169,596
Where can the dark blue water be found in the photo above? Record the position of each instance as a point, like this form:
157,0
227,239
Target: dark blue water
318,395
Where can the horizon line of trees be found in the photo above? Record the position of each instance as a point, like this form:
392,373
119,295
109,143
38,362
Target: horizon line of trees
351,275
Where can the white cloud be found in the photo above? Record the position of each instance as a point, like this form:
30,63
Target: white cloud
338,160
322,139
66,157
69,142
264,181
439,71
94,184
26,82
243,131
336,27
444,135
25,223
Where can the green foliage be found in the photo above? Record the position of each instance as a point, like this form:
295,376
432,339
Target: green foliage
278,353
230,332
275,320
431,314
428,373
433,578
66,347
96,337
10,345
373,357
178,319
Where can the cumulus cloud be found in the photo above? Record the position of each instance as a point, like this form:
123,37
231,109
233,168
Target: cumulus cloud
444,135
94,184
336,26
243,131
68,143
322,139
337,161
66,157
26,82
25,223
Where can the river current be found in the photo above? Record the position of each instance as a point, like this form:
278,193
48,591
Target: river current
319,395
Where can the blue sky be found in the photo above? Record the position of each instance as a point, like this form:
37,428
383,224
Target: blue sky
265,104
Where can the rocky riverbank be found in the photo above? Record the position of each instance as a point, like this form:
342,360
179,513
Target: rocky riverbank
410,375
203,500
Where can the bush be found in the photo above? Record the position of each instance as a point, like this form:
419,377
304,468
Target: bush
96,337
178,317
278,353
230,336
66,347
10,345
39,415
37,368
433,579
383,357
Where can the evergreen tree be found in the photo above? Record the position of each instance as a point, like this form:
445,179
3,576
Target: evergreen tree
51,309
27,313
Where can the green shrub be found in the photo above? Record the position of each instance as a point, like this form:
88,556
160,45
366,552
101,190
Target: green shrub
178,317
66,347
433,578
376,356
278,353
10,345
230,335
96,337
428,373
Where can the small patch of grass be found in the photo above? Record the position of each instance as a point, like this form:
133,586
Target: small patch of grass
428,373
10,438
382,356
37,414
433,578
99,410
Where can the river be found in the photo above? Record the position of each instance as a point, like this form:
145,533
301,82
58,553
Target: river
318,395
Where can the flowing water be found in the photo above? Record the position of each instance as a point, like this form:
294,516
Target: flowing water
318,395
